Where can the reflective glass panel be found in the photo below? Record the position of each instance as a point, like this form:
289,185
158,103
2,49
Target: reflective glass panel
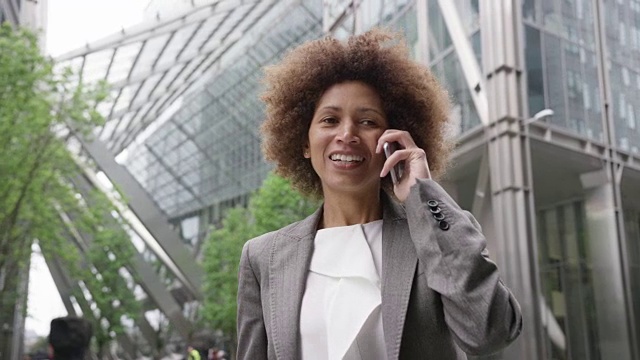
567,304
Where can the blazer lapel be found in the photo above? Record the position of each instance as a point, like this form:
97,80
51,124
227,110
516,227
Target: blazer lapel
399,261
288,266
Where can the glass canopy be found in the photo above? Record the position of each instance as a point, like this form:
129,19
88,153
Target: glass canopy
149,66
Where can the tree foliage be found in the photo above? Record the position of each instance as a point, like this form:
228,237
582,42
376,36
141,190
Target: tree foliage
108,253
33,156
39,111
273,206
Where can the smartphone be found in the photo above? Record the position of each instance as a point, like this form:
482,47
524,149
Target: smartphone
396,171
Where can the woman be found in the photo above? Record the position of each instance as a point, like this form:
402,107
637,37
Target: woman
380,271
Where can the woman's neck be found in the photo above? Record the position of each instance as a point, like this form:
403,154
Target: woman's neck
350,209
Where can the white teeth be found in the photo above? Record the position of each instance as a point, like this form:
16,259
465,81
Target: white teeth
348,158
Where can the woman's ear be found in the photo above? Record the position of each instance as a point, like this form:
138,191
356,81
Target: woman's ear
305,151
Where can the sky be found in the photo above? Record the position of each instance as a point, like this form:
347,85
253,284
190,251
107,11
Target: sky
71,24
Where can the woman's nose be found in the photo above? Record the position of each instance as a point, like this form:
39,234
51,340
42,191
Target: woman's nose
349,133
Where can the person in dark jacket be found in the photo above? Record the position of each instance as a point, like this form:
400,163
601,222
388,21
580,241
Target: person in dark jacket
69,338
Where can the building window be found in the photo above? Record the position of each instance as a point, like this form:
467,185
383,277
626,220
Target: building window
567,294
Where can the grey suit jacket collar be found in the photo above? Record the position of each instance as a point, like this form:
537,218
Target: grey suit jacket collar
289,264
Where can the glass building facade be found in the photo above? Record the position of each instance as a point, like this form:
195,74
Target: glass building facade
208,153
558,196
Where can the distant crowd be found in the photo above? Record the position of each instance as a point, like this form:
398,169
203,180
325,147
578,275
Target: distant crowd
70,336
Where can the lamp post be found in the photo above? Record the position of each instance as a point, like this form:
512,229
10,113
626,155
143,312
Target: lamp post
542,114
539,310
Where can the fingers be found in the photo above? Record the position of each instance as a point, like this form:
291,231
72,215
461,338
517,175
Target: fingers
394,159
414,158
392,135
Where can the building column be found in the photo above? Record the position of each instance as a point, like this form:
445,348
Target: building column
511,196
614,166
604,248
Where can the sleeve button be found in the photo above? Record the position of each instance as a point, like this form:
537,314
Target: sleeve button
444,225
438,216
432,203
435,210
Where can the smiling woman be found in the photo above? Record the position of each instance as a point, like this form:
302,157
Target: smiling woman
342,142
411,98
380,270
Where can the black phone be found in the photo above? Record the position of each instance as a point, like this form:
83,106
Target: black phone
396,171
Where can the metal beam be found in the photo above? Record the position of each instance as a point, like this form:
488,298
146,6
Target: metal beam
146,210
62,281
468,62
134,223
152,288
149,279
148,30
63,284
209,59
140,77
173,91
149,334
66,285
158,292
177,177
123,339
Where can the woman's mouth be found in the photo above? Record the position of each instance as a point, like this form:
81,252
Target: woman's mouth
351,159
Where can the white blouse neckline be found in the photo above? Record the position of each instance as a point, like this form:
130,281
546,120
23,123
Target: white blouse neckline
343,299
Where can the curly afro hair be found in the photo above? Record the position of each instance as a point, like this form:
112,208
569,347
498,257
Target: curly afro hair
412,98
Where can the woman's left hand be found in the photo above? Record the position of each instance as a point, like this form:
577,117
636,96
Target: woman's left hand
416,165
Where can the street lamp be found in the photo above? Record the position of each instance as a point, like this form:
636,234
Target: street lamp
545,113
541,311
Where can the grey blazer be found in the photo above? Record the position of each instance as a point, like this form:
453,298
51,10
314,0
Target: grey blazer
441,295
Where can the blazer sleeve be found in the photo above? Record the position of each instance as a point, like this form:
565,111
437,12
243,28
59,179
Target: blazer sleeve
252,336
480,311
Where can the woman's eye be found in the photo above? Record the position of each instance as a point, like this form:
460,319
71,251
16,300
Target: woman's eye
368,122
329,120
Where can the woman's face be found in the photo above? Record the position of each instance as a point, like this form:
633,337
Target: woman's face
343,135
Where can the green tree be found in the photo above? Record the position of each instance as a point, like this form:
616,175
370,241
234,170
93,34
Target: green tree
108,253
273,206
40,110
36,107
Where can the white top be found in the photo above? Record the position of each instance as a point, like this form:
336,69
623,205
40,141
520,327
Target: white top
341,315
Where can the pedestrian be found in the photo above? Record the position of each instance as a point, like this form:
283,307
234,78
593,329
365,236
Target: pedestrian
69,338
192,353
213,353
